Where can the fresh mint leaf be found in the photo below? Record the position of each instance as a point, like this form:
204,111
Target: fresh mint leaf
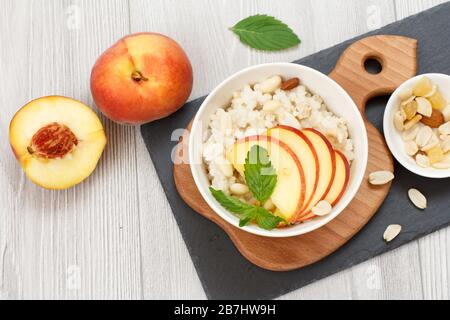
261,179
247,216
259,174
266,220
263,32
230,203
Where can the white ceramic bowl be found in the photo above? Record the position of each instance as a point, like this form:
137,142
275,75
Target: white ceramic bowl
338,102
394,137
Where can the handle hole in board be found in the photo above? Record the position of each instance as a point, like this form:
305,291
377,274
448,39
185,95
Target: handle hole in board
373,65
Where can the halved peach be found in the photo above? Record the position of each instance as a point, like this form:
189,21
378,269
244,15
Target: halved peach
57,140
289,193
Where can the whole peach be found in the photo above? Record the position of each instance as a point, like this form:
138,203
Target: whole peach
141,78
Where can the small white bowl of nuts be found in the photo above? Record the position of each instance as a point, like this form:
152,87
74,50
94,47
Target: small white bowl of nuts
417,125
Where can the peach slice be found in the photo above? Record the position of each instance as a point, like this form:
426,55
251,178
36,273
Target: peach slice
306,154
327,167
57,140
289,193
340,182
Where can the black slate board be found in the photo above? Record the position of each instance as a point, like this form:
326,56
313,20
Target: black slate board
225,274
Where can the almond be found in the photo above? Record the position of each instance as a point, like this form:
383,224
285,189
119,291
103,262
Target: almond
290,84
446,144
435,120
271,84
445,128
411,134
409,124
424,107
399,119
239,189
391,232
422,160
433,142
446,113
322,208
423,136
380,177
411,148
417,198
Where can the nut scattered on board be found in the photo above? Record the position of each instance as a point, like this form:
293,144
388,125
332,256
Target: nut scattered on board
417,198
380,177
322,208
391,232
290,84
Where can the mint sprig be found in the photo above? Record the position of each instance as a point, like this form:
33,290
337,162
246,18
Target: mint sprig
263,32
261,180
230,203
259,173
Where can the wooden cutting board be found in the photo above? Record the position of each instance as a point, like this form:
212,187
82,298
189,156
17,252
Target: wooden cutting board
397,56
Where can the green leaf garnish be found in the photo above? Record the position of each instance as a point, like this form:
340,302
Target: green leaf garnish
266,220
263,32
247,212
230,203
259,174
261,179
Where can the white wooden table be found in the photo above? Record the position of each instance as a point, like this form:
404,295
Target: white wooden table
114,236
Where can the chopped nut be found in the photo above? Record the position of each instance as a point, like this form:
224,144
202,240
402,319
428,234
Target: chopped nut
271,84
410,109
409,124
417,198
424,107
391,232
423,136
446,113
433,142
445,128
411,147
380,177
239,189
290,84
422,160
322,208
445,145
399,119
411,134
